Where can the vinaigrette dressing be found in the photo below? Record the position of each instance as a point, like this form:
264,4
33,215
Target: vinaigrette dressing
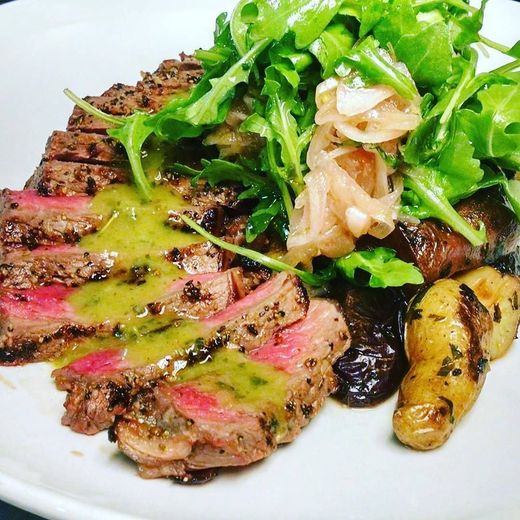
138,234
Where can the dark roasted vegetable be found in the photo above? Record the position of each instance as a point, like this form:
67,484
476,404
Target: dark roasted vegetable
509,264
440,252
372,368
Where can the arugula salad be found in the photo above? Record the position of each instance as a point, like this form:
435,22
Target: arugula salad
341,118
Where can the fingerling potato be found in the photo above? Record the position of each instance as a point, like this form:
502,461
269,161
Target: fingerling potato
447,336
500,294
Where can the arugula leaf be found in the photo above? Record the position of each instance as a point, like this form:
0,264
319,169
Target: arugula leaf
382,266
430,199
493,124
205,111
306,19
368,61
262,216
465,27
285,130
223,49
334,42
371,13
424,46
239,26
132,136
514,51
458,166
217,171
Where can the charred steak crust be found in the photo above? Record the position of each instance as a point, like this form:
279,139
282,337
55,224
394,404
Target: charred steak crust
22,269
28,348
69,178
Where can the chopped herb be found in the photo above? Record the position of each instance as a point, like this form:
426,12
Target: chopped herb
446,367
455,351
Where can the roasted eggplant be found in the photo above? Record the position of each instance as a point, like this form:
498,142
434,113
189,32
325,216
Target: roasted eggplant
372,368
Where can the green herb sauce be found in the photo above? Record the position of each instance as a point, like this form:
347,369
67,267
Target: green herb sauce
144,341
243,380
138,233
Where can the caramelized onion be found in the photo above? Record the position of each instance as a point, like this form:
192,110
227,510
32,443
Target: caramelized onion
350,190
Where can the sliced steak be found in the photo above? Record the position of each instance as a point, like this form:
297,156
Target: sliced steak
85,148
70,178
73,266
38,324
29,220
122,103
67,265
219,416
149,95
172,75
200,258
203,195
102,384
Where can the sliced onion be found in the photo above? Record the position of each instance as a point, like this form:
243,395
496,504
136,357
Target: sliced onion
353,101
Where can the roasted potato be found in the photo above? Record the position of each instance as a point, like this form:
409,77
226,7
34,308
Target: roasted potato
447,335
500,294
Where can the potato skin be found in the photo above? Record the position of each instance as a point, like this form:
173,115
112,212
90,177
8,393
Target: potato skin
500,294
447,336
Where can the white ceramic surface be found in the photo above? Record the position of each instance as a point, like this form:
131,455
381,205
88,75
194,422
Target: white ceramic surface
346,464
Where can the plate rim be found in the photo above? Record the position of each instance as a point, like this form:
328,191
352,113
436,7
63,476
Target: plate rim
55,504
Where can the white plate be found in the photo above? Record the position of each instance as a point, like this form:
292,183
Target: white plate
346,464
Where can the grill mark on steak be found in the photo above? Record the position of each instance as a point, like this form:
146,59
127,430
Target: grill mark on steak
272,306
176,429
439,252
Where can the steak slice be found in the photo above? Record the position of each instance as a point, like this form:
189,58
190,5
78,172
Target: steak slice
67,265
149,95
38,324
29,220
206,420
69,178
85,148
172,75
101,385
121,103
73,266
